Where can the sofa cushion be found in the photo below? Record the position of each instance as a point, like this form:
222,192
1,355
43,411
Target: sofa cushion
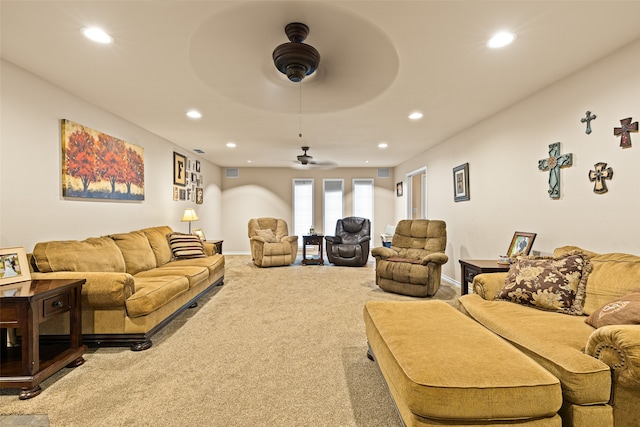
158,240
554,340
621,311
136,250
267,235
195,274
186,246
92,254
213,263
554,284
154,292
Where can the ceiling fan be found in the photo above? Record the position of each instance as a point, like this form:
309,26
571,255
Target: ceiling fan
305,160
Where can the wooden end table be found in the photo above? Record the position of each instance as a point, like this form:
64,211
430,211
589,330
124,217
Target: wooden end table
472,267
25,305
312,240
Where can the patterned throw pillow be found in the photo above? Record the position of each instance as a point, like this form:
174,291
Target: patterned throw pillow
267,235
553,284
186,246
621,311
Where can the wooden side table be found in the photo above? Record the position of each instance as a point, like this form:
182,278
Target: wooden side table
25,305
312,240
473,267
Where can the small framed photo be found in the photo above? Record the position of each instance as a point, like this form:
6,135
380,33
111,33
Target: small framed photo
198,232
461,183
14,266
399,190
521,244
199,196
179,169
198,166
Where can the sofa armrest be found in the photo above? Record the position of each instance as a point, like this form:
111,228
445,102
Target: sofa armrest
290,239
210,249
619,347
437,257
333,239
488,285
383,252
101,290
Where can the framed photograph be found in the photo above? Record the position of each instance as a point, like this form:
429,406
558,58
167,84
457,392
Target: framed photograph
399,190
521,243
14,266
461,183
199,196
176,193
183,194
179,169
198,232
198,166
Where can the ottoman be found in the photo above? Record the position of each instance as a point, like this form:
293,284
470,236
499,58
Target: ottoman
443,368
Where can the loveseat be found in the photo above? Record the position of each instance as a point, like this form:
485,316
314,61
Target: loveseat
136,282
598,367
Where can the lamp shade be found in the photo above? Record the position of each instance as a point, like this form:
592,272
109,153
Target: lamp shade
189,215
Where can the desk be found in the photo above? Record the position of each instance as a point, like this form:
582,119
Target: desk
473,267
312,240
25,305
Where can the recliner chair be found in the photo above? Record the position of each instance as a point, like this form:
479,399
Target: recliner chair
270,242
350,245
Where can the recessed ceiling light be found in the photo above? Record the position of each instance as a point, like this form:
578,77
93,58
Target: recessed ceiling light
416,115
194,114
98,35
501,39
249,161
383,145
231,144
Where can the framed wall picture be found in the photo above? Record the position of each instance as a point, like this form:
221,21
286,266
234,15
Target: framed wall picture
399,189
521,243
199,196
14,266
179,169
461,183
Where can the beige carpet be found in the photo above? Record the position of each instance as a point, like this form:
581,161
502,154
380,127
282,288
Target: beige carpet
278,346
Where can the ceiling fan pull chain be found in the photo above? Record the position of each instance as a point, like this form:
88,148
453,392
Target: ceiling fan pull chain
300,107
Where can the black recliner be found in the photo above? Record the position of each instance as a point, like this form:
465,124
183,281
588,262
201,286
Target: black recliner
350,245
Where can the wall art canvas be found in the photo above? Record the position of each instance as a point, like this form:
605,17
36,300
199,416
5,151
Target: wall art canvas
99,166
461,183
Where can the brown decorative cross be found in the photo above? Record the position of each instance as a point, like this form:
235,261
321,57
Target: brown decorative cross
623,131
553,163
587,120
599,175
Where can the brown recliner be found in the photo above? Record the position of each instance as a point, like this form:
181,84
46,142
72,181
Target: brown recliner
413,264
271,245
350,245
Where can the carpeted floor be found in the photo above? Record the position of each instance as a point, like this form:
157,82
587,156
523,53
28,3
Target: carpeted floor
278,346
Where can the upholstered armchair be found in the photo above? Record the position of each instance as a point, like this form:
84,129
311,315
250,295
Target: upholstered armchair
270,242
350,245
413,264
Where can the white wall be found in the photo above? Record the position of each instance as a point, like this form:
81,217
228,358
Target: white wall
509,193
32,208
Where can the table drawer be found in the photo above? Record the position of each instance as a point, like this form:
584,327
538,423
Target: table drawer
470,273
57,304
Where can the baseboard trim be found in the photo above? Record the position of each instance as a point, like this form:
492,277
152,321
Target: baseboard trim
450,281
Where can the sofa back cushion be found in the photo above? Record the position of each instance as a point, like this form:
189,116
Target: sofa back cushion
136,250
613,275
92,254
159,244
419,237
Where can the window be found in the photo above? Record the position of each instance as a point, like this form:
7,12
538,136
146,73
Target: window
363,198
302,207
332,204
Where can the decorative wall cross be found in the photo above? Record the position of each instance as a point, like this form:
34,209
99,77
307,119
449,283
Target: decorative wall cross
553,163
623,131
587,120
599,175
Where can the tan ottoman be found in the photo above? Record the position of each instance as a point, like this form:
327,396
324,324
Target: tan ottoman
443,368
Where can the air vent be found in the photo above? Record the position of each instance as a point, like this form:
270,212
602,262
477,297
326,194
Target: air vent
384,173
197,150
232,173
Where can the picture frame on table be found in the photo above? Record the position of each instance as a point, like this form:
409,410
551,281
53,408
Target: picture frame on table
198,232
461,183
179,169
521,243
14,266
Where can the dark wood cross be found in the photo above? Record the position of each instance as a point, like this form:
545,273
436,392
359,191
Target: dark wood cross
553,163
587,120
599,175
623,131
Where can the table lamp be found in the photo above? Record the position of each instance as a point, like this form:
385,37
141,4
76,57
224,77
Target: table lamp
188,216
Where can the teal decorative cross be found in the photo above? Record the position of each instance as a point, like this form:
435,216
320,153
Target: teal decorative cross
553,163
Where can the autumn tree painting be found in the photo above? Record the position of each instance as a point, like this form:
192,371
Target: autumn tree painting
100,166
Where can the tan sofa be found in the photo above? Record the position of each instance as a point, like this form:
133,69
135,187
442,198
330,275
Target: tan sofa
413,264
599,369
134,283
271,245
